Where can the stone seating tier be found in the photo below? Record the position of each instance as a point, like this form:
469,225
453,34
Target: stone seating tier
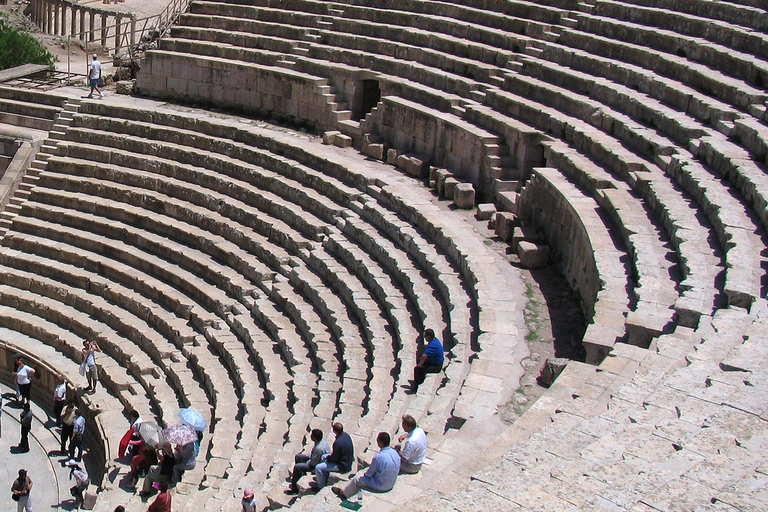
742,286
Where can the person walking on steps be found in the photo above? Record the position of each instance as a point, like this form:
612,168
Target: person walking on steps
94,74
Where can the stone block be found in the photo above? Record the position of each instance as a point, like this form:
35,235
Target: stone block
505,224
533,255
449,187
525,234
342,141
485,211
89,500
551,370
392,156
329,136
126,87
440,176
374,151
464,196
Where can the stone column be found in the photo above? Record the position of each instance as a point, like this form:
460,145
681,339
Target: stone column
48,16
104,30
91,31
118,21
55,19
72,22
82,25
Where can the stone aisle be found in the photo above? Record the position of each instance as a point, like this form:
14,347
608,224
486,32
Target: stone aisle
50,481
681,427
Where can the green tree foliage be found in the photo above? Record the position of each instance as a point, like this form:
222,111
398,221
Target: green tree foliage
18,48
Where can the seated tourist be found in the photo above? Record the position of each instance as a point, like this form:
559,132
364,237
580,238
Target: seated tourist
431,360
339,461
380,476
414,450
305,463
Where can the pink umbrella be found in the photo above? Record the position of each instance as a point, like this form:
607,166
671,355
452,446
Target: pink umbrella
180,434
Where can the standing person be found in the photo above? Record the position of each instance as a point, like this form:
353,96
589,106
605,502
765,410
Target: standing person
94,74
380,476
81,482
249,501
163,501
339,461
89,361
413,452
21,487
23,376
59,399
26,425
305,463
78,432
68,416
431,361
185,459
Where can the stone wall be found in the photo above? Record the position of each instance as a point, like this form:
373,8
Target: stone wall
278,93
585,254
443,140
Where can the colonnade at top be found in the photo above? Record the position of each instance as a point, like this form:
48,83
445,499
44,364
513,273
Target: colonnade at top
88,24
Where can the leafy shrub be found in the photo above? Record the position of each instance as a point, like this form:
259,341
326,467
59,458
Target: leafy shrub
18,48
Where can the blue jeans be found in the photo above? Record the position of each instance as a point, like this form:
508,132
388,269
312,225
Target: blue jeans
322,471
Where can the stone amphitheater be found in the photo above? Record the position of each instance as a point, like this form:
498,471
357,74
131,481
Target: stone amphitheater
278,283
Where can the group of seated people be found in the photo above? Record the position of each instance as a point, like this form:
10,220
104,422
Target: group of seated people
161,465
407,457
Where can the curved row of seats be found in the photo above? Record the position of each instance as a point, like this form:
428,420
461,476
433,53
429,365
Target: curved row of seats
661,132
235,272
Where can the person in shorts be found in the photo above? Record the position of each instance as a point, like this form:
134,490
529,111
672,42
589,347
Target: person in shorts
94,75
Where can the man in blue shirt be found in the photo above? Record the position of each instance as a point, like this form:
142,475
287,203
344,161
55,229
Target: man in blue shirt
381,475
431,361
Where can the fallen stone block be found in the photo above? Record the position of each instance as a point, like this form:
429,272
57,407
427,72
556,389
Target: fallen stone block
126,87
417,166
533,255
551,370
392,156
485,211
525,234
505,224
375,150
464,196
328,137
450,186
440,176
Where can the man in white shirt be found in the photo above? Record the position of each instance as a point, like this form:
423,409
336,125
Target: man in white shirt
413,452
59,399
94,74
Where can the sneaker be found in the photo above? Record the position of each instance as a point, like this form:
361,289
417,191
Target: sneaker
90,96
101,96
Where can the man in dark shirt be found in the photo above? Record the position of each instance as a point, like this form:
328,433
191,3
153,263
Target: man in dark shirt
341,458
431,360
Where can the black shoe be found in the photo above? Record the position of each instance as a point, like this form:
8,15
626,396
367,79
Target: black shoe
292,490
